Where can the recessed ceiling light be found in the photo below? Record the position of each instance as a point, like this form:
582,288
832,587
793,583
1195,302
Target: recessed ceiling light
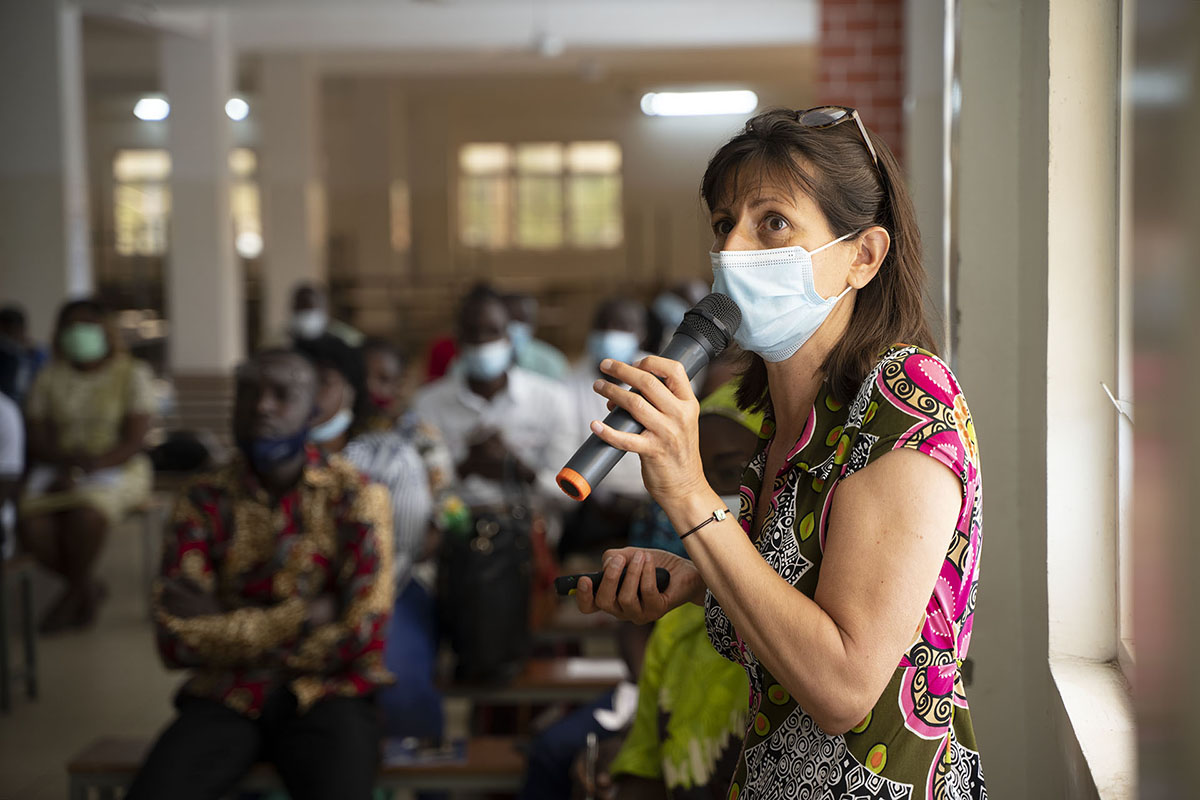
152,109
694,104
237,109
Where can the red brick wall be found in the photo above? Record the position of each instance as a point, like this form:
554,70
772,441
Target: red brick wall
860,63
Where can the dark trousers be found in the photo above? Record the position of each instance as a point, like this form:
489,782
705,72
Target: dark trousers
548,773
412,706
329,752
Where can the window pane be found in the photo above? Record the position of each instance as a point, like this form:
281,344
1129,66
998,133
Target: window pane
400,216
247,219
539,212
540,158
243,162
141,165
140,213
594,210
484,158
484,211
594,157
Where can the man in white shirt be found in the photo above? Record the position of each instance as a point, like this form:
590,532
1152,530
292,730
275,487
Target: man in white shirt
508,429
617,329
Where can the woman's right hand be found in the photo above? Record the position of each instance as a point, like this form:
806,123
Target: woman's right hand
639,600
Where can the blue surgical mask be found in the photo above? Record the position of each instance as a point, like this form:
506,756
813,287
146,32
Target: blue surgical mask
777,294
485,362
617,345
331,428
669,309
519,333
264,454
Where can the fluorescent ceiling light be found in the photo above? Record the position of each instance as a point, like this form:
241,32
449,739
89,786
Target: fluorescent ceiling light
237,109
152,109
694,104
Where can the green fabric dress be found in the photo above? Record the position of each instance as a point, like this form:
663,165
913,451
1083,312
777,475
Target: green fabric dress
691,711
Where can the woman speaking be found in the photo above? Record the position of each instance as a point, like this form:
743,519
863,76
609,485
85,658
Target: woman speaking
845,584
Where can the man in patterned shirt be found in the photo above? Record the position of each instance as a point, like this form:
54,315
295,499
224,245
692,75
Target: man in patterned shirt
275,591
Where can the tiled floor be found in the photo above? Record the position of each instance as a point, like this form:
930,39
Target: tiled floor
105,681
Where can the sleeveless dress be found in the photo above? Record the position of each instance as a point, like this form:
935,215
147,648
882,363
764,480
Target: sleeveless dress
917,742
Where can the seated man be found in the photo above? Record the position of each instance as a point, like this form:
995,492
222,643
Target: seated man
507,428
532,353
276,588
603,519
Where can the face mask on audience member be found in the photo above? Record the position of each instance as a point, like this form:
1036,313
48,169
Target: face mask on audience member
309,323
331,428
519,333
617,345
485,362
670,308
84,342
267,453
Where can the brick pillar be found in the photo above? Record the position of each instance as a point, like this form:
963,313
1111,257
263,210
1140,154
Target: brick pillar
861,63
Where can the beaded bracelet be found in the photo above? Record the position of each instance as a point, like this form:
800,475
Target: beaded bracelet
717,516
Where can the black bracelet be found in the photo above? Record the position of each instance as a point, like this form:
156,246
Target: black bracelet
717,516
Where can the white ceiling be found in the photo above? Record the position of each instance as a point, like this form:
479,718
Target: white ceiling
546,26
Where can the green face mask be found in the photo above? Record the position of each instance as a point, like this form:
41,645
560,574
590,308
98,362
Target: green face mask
84,342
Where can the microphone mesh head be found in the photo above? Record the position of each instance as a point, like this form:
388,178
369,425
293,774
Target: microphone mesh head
715,319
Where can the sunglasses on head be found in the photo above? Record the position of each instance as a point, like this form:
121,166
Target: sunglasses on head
831,116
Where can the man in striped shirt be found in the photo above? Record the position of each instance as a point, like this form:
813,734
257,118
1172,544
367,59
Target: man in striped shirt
389,457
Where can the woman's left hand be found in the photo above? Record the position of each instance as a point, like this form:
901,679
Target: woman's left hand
668,410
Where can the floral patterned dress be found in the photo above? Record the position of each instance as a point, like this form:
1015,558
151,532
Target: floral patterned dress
917,742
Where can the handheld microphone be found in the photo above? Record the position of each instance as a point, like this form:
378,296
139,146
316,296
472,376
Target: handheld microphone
705,332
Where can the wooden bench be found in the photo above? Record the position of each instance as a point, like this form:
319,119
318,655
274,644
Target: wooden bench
550,680
492,764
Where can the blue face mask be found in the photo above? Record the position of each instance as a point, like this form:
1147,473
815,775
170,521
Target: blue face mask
776,292
265,454
519,333
617,345
331,428
669,309
485,362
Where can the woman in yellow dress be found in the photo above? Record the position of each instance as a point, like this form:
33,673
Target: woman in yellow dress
86,418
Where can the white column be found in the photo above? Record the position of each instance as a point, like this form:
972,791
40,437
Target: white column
45,255
205,304
1001,237
290,179
928,54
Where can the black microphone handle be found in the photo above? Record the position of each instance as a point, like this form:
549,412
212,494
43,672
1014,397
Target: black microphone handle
595,458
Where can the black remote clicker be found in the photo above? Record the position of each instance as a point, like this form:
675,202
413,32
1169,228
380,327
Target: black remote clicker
565,584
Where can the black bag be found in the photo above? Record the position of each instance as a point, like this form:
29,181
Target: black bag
486,579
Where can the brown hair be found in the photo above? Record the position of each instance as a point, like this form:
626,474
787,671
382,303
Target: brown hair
834,168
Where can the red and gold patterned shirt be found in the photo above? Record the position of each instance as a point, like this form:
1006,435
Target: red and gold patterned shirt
265,559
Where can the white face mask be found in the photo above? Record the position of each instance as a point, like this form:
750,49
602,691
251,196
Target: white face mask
331,428
669,309
777,295
521,333
617,345
484,362
310,323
